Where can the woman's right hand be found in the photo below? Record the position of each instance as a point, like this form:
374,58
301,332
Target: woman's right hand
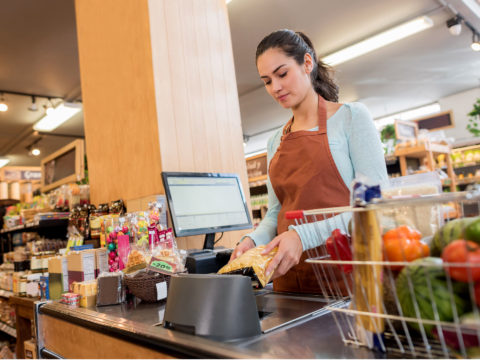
246,244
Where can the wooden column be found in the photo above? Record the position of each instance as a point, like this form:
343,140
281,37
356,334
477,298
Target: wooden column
159,93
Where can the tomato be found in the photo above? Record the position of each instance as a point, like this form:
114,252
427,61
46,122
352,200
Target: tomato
462,251
477,293
404,249
403,231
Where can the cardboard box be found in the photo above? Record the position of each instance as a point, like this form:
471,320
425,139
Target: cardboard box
30,349
58,276
101,261
81,266
88,292
88,301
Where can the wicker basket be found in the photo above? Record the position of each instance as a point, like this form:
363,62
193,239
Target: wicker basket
143,285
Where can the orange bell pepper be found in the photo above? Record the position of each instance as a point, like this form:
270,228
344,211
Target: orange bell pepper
403,244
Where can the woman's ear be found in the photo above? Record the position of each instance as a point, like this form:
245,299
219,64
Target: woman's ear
308,63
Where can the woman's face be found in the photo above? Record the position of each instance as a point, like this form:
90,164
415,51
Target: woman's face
286,81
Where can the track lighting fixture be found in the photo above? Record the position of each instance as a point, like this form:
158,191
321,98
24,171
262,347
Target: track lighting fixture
33,106
33,149
455,25
245,140
3,105
475,42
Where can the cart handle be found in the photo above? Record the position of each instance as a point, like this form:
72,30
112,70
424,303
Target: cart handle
292,215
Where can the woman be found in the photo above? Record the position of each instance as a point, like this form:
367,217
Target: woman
313,159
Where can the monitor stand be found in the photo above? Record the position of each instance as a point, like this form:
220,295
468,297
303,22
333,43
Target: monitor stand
209,241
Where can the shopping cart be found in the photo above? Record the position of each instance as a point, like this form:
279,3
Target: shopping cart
412,306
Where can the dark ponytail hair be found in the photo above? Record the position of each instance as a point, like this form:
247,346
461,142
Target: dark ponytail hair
296,45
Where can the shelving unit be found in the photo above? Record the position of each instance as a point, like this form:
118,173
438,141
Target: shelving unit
7,329
42,224
5,293
427,151
51,228
257,182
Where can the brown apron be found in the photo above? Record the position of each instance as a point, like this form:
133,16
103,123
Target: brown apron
304,177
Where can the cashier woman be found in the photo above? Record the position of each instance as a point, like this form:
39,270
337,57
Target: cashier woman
313,159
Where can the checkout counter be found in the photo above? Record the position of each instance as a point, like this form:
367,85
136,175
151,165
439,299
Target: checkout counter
292,327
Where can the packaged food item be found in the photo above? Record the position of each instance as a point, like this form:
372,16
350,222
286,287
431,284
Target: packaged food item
136,261
117,207
166,258
140,222
251,263
88,292
110,289
71,299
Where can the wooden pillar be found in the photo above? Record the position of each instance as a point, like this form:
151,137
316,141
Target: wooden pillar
159,93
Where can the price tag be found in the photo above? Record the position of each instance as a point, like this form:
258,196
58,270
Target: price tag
162,290
161,266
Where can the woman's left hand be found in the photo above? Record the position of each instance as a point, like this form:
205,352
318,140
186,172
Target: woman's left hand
289,252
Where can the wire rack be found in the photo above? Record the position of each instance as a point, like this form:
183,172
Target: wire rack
408,306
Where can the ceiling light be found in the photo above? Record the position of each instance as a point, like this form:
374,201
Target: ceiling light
473,6
3,105
59,115
227,1
4,161
475,42
33,106
410,114
455,25
379,40
35,152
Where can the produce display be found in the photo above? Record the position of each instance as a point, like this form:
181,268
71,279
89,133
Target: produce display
428,281
439,288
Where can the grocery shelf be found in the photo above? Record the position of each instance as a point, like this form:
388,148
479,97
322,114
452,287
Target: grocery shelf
468,180
8,329
31,226
8,202
390,159
259,207
5,293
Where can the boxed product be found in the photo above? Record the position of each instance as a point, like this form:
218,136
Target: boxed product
30,349
81,266
31,286
58,276
88,292
71,299
44,288
110,289
101,260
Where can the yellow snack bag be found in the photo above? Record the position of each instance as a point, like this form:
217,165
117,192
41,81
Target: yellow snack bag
251,263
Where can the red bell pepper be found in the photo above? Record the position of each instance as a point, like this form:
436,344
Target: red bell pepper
339,248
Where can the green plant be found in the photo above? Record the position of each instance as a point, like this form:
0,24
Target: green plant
388,132
474,119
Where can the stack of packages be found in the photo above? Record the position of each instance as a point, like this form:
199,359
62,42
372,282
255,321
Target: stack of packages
134,245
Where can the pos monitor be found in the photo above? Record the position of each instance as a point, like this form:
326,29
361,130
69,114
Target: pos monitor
205,203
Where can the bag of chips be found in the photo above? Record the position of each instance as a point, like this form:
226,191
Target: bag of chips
251,263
